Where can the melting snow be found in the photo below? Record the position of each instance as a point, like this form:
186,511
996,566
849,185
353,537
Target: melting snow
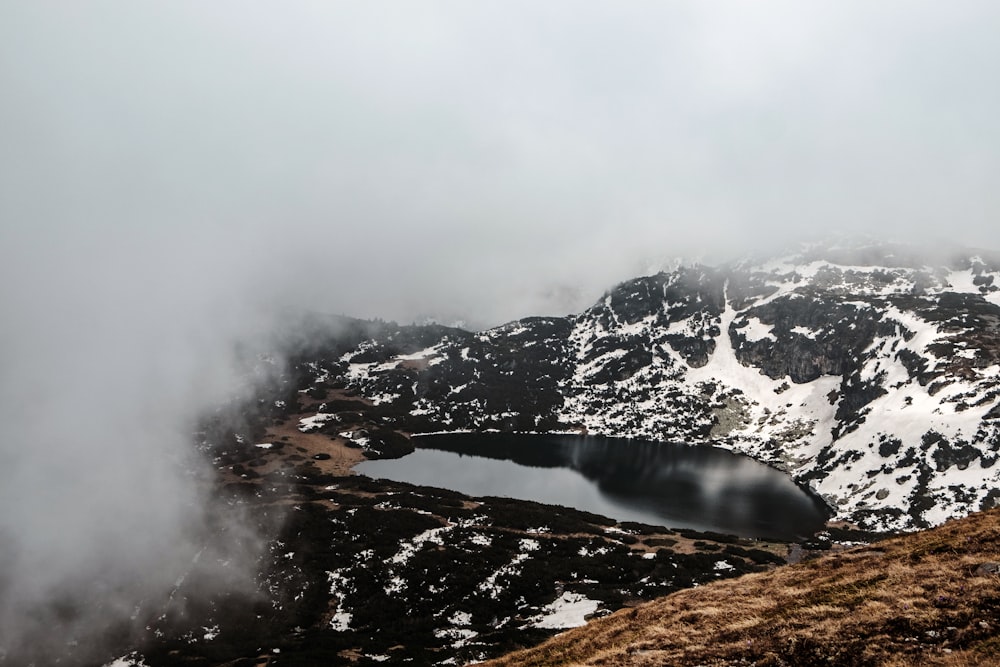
130,660
491,586
408,549
339,587
599,551
754,330
569,610
481,540
341,621
461,636
422,354
461,618
308,424
530,545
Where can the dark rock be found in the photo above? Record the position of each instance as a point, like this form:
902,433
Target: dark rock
987,569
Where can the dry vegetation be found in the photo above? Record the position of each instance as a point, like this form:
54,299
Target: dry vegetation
930,598
343,456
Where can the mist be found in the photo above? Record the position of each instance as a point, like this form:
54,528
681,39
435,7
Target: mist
174,176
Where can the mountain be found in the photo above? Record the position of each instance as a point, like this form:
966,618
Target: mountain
869,373
929,598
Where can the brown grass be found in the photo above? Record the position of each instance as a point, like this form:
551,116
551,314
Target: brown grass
342,457
911,600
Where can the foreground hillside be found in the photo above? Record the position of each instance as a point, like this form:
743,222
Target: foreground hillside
930,598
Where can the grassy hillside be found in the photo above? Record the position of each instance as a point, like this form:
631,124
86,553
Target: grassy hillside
929,598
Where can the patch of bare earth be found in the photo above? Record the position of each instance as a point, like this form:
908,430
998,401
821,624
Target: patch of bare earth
331,455
930,598
343,456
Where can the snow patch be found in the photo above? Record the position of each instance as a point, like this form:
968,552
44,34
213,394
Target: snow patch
130,660
569,610
309,424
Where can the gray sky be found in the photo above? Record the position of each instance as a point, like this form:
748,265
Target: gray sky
170,171
399,159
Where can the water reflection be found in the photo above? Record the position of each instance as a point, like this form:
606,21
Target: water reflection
659,483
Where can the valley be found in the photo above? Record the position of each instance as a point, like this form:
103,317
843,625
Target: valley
871,381
369,571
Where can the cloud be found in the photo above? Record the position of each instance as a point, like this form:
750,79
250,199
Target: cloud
171,173
392,148
114,345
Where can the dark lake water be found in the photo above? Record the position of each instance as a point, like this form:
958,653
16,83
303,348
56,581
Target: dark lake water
672,485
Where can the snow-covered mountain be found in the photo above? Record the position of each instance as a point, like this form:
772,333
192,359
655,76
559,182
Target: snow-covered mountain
866,372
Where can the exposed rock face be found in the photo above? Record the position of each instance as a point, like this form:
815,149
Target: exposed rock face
866,373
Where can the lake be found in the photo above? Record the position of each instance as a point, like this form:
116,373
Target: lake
664,484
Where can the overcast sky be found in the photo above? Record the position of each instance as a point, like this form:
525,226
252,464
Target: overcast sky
172,171
400,159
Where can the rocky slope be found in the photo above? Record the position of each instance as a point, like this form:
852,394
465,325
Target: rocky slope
366,572
868,373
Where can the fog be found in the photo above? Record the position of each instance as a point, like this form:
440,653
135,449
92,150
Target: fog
174,175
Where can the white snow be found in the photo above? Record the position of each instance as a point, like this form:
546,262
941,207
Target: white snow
491,586
461,618
754,330
809,400
530,545
340,585
599,551
481,540
459,636
379,399
409,549
130,660
355,437
307,424
416,356
341,621
569,610
961,281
